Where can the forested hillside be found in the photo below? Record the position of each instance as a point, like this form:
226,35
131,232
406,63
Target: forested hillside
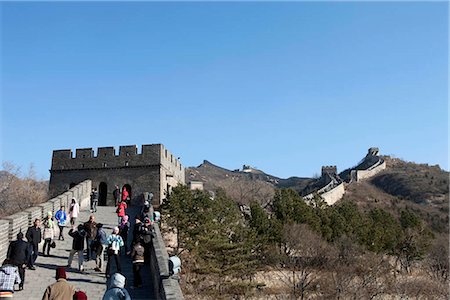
303,251
386,238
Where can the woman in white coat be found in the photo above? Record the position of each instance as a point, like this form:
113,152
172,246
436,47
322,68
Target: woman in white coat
74,210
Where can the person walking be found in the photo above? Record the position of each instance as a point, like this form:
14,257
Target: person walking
91,232
19,254
61,289
74,210
146,235
101,243
94,200
121,211
61,218
116,288
48,232
116,195
114,242
124,228
137,254
125,195
77,246
137,228
34,237
9,275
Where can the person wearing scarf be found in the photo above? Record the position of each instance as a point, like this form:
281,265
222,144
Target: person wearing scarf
48,232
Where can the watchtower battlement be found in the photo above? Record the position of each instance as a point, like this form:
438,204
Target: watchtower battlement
373,151
329,170
128,156
153,169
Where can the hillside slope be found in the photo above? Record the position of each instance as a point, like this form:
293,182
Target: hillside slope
421,188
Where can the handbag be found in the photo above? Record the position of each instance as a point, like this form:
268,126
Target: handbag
53,244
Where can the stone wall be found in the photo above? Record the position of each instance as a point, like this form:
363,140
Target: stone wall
334,195
11,225
165,286
4,237
154,170
364,174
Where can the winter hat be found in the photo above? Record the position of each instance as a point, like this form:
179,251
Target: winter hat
79,295
60,273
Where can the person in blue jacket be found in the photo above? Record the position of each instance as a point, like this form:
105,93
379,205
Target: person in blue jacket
61,218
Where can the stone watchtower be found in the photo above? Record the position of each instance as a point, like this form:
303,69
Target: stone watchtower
153,170
329,170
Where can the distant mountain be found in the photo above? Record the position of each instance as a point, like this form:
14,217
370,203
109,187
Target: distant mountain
242,185
419,187
210,174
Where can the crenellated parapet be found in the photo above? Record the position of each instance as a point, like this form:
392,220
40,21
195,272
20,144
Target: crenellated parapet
106,157
329,170
149,168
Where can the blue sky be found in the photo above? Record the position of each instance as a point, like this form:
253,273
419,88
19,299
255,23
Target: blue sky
285,87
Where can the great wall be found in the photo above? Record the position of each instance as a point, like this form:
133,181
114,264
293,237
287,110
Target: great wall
156,170
163,285
331,186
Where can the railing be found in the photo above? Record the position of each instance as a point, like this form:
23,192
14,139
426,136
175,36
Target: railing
11,225
165,286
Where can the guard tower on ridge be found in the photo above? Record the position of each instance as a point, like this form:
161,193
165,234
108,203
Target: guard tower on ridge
154,170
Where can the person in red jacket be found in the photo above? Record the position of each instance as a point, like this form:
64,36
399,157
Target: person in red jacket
121,210
125,195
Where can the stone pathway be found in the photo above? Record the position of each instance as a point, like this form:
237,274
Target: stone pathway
92,282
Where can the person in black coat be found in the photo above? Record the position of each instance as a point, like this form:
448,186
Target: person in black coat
77,246
34,237
19,254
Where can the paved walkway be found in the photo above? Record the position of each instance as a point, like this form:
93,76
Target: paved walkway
92,282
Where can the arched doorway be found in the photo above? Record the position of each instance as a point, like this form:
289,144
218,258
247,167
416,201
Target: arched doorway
102,193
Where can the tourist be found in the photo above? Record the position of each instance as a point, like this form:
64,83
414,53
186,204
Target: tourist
9,275
79,295
61,289
77,246
137,228
91,232
116,194
137,255
125,196
34,237
145,211
123,231
146,235
19,254
100,245
48,232
116,288
74,210
121,211
94,200
114,242
61,217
